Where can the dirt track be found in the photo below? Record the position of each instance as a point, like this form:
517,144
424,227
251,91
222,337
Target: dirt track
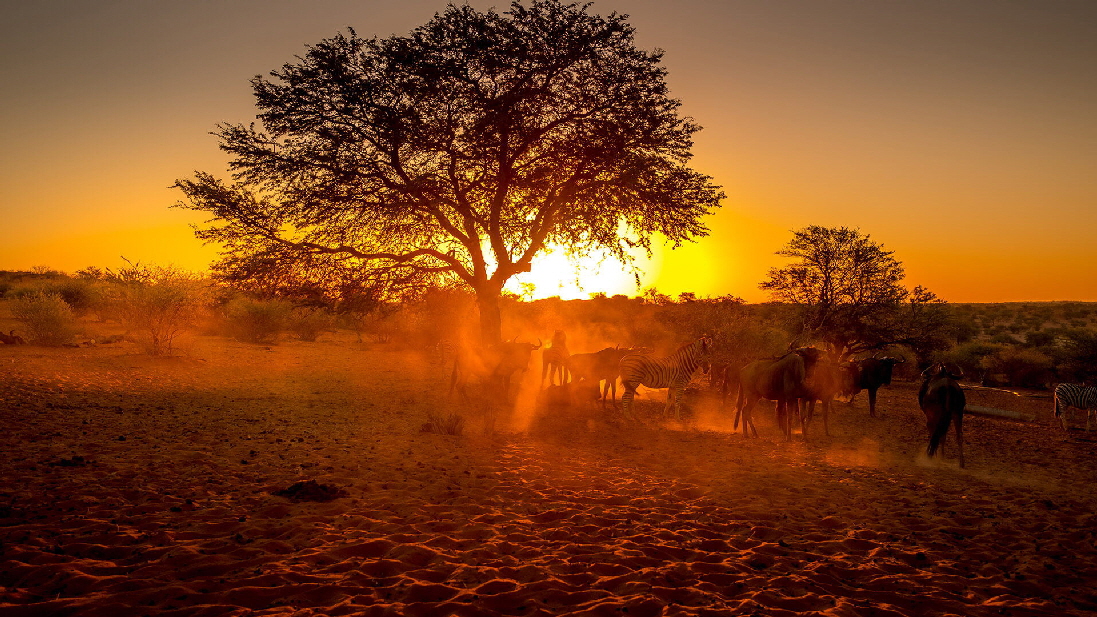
168,509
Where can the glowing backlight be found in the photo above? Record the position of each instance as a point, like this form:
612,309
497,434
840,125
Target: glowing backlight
555,274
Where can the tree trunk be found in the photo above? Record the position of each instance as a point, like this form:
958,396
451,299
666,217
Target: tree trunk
491,326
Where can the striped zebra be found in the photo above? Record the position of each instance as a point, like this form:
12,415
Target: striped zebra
673,371
1077,396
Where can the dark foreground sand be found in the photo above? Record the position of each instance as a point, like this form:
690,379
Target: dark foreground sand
132,486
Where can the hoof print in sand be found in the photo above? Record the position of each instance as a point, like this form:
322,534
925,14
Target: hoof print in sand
311,490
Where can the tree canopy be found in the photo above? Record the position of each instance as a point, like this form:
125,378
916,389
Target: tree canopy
851,294
457,153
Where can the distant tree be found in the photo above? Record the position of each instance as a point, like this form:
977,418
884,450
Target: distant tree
460,152
850,294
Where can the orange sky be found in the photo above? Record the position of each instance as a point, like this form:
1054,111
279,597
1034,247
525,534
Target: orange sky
961,134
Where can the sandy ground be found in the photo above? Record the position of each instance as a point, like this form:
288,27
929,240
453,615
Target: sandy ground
131,485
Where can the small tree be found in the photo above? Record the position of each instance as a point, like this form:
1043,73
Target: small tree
850,293
160,303
460,152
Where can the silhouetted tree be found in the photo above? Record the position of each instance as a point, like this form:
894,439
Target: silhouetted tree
850,293
460,151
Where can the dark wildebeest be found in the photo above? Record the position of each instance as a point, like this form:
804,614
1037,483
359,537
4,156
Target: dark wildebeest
723,379
569,395
871,374
776,379
826,380
599,366
493,365
11,339
554,360
942,400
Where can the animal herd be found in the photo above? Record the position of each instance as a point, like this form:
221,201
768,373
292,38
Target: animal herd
796,381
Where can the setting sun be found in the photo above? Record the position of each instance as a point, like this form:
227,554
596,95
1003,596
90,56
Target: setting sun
576,278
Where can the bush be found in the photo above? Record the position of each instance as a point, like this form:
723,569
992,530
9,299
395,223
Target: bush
969,357
257,321
444,424
48,319
1025,368
309,324
1003,338
160,303
1076,355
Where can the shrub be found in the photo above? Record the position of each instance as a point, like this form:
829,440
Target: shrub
1076,355
444,424
309,324
48,319
1021,367
257,321
1003,338
969,356
159,303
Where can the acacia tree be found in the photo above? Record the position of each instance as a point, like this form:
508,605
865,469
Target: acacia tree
460,152
850,294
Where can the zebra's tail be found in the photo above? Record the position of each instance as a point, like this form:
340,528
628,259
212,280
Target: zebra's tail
1059,409
943,422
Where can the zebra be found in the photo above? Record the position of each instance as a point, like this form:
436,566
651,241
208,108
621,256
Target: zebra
673,371
1076,396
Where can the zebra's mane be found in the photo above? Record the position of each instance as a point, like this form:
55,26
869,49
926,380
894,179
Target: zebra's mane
682,348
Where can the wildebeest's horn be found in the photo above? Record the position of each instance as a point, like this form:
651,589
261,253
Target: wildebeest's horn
538,344
959,373
900,360
931,370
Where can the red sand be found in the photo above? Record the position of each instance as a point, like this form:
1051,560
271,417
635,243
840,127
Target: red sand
170,509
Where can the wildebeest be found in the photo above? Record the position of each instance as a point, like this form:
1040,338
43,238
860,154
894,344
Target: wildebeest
942,400
673,372
554,359
12,339
572,394
1076,396
871,374
493,365
599,366
825,380
777,379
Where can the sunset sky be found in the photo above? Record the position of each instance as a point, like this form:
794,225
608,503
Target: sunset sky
960,134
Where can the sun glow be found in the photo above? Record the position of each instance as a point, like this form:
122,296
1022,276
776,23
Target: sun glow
555,274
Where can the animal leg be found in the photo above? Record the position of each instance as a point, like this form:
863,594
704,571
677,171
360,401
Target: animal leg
748,404
872,402
678,403
739,403
960,436
626,400
826,418
780,409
